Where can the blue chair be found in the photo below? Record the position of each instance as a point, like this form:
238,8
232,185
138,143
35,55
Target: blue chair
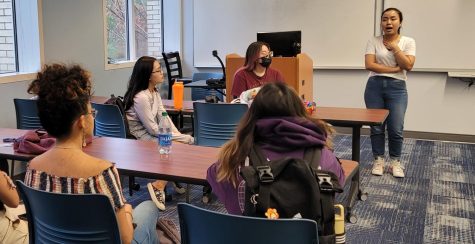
215,123
27,114
26,118
69,218
201,93
109,121
204,226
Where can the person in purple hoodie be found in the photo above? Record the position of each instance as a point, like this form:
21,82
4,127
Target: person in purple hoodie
278,122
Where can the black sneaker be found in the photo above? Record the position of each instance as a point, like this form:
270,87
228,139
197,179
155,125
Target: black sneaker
179,188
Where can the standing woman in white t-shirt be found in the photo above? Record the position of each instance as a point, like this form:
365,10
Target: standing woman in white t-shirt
389,57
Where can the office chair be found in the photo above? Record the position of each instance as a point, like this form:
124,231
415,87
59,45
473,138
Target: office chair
109,122
215,123
26,118
174,70
201,93
26,114
204,226
69,218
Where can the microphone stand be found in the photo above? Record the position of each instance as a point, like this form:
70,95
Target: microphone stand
217,83
215,54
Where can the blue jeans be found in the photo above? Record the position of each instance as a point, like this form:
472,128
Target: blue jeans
146,217
388,93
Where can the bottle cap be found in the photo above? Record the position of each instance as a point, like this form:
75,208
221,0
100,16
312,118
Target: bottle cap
164,114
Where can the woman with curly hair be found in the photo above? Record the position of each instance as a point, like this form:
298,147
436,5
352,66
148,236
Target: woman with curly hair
65,112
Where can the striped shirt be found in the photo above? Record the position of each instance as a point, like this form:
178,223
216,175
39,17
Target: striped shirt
107,183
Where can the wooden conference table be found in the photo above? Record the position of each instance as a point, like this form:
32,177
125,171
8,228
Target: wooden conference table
355,118
187,163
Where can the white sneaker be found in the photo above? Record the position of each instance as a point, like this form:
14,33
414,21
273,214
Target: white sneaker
396,168
157,196
378,166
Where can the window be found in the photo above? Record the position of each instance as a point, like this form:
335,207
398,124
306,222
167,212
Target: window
133,28
19,37
7,38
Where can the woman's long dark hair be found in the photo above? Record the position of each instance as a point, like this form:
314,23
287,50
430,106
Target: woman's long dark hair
139,79
273,100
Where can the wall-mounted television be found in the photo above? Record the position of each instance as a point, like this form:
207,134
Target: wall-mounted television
284,43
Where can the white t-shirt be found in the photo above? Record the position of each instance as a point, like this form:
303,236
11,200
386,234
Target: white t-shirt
384,56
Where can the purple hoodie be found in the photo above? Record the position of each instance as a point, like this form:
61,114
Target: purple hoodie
278,138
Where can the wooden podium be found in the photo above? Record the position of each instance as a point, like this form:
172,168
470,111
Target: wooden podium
297,72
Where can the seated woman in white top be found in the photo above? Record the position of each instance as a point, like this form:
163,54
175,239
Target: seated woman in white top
143,104
144,108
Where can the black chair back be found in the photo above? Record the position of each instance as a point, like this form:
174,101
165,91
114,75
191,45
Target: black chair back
174,70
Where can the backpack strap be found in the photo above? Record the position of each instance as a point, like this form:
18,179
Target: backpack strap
313,156
265,177
261,164
256,156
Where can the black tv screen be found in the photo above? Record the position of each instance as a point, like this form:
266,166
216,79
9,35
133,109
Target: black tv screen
282,44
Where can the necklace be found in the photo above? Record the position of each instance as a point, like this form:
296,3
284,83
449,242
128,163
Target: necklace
59,147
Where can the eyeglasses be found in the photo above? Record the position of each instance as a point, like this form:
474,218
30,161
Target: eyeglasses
93,113
269,55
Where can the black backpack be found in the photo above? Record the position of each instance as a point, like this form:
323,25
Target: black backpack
119,102
294,187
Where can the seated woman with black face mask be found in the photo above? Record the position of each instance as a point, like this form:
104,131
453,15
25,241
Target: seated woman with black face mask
256,71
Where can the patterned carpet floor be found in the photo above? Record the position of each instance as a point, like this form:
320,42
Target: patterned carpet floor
434,203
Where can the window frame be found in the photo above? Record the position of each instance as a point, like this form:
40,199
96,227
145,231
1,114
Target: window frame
21,75
129,63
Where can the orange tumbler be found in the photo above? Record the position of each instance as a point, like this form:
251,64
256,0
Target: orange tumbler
178,94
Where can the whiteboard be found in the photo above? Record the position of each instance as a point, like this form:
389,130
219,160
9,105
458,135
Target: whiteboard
334,32
444,31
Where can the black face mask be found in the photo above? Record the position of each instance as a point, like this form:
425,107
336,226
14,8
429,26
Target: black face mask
266,61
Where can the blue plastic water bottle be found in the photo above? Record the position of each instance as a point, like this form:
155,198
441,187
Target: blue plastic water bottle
164,135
